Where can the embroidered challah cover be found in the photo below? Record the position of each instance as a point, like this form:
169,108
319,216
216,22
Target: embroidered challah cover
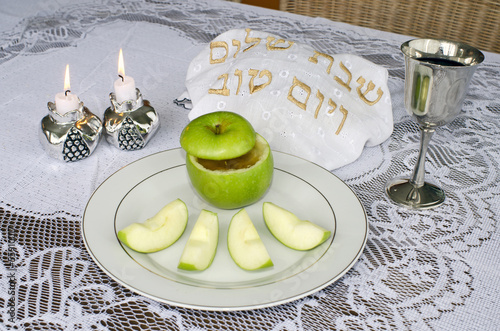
324,108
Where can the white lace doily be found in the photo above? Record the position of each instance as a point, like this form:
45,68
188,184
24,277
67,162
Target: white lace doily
421,270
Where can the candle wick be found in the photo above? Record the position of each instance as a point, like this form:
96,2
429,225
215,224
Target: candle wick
66,92
123,79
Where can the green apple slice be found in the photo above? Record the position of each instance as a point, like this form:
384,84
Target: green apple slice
157,232
292,231
201,246
244,243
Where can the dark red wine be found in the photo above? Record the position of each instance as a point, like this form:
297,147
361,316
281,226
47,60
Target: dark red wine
440,61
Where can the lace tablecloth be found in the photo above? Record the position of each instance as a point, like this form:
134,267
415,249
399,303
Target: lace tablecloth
421,270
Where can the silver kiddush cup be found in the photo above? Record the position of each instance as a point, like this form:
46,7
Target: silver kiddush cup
438,73
437,77
131,124
72,136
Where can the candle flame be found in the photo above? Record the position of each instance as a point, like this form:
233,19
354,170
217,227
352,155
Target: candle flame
67,85
121,65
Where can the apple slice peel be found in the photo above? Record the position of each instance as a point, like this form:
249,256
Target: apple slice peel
157,232
291,231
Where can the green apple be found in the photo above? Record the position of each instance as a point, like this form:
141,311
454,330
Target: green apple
157,232
233,182
244,243
201,246
290,230
219,135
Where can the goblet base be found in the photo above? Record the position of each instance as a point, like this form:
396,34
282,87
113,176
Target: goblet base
405,193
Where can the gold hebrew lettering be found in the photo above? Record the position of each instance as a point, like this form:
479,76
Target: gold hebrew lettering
222,91
347,83
307,89
249,40
273,47
238,73
314,59
218,44
237,44
254,73
361,81
321,98
332,104
344,113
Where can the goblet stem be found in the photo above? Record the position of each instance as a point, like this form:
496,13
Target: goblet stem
414,192
418,176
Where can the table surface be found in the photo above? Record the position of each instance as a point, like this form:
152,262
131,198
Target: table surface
421,270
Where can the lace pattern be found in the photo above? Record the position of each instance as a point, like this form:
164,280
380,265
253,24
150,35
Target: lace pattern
421,270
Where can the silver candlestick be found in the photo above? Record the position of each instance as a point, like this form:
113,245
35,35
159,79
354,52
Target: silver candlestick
72,136
131,124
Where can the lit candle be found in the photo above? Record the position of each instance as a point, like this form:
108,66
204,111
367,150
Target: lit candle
125,85
66,101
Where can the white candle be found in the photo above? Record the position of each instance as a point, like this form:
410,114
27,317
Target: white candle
125,85
66,101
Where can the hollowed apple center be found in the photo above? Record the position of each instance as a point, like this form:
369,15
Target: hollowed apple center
242,162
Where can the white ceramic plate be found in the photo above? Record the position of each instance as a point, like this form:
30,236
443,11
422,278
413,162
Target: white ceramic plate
137,191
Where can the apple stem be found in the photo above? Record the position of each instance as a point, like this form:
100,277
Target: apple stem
217,129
